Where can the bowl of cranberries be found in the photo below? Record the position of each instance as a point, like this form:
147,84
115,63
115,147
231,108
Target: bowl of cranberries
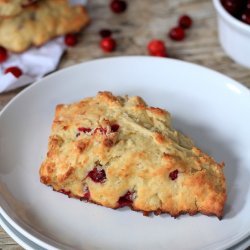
234,29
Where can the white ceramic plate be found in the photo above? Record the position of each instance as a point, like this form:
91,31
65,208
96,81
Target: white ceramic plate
213,109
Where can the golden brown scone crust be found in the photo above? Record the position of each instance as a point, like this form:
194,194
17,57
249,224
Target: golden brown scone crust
135,154
9,8
39,23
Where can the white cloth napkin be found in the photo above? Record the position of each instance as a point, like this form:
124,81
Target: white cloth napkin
34,63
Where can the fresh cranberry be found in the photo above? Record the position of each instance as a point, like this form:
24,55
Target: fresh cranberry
114,127
97,175
70,40
157,48
84,130
232,6
126,199
173,175
177,34
185,22
245,16
108,44
3,55
105,33
118,6
248,5
14,70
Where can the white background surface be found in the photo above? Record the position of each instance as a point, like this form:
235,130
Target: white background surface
209,107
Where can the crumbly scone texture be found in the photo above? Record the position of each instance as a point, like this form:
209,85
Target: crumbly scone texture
117,151
9,8
40,22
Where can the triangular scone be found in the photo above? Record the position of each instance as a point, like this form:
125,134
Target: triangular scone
40,22
117,151
9,8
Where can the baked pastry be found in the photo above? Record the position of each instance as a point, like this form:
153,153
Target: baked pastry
10,8
40,22
117,151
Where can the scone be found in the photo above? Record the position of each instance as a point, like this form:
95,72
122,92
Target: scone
117,151
9,8
40,22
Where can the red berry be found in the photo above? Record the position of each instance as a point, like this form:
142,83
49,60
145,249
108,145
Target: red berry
177,34
173,175
84,130
14,70
97,174
3,55
114,127
118,6
157,48
185,22
232,6
126,199
105,33
70,40
245,16
108,44
63,191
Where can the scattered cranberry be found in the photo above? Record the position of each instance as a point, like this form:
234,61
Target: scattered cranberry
185,22
157,48
118,6
126,200
84,130
108,44
105,33
97,175
232,6
3,55
177,34
114,127
174,174
248,5
245,17
70,40
14,70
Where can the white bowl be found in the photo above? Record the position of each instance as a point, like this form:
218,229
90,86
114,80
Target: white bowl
234,35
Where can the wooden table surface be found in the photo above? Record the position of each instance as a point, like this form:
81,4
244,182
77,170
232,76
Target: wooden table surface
143,21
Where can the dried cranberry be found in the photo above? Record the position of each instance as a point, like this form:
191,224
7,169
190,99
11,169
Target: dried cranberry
245,16
173,175
70,40
101,130
118,6
108,44
185,22
97,175
63,191
84,130
17,72
3,55
114,127
232,6
126,199
105,33
157,48
177,34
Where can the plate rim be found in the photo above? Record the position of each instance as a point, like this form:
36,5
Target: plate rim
237,84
